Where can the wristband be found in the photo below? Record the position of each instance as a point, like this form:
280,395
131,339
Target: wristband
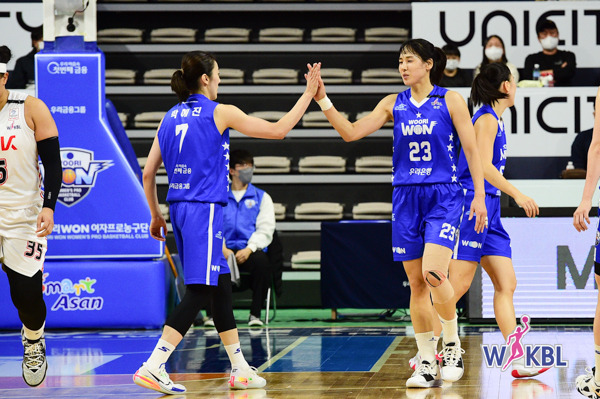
325,103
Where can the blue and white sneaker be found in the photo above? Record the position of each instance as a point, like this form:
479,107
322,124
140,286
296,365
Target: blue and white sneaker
34,360
157,380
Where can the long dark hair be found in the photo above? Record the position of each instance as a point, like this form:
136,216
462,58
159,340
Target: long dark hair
5,56
186,80
485,60
486,85
427,51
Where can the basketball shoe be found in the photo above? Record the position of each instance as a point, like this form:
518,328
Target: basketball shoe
157,379
416,359
34,360
452,363
245,379
426,375
520,371
586,384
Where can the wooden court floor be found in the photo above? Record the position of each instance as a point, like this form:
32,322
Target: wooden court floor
336,362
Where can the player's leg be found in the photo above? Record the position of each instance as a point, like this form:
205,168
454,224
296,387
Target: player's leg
26,294
441,240
502,274
242,376
427,373
589,384
23,262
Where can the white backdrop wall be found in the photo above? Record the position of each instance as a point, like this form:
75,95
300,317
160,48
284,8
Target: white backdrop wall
467,24
545,121
14,35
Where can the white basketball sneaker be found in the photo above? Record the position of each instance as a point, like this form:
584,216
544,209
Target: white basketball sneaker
157,380
586,384
426,375
452,363
245,379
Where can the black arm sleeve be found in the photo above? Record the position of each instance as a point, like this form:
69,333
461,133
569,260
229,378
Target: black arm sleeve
49,152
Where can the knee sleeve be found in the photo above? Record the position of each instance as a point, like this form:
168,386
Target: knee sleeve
222,305
597,268
196,297
434,278
27,296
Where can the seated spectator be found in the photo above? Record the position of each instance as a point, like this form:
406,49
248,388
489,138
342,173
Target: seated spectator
454,76
560,63
248,224
494,51
24,73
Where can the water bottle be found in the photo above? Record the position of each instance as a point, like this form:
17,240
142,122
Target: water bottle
570,165
536,72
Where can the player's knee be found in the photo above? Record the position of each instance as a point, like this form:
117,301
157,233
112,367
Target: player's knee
434,278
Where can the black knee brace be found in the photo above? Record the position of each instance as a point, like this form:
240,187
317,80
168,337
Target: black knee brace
27,296
222,305
196,297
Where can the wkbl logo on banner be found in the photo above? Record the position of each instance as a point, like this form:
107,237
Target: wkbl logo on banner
535,355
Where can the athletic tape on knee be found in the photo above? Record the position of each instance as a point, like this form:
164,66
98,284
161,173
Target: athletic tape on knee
434,278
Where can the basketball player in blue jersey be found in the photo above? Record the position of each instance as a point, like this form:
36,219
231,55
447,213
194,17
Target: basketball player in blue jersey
428,199
494,89
193,142
589,384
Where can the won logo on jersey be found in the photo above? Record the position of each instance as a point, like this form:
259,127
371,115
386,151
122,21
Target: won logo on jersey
80,172
418,127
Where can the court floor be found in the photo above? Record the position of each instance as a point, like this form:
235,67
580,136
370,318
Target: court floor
316,362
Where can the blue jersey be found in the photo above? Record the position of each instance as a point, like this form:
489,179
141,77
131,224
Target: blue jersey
498,160
425,140
195,154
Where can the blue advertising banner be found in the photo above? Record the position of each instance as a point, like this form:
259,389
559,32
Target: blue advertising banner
101,210
101,294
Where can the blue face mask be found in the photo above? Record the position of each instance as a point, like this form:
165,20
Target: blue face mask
245,175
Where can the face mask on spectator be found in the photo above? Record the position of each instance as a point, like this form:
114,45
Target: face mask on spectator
246,175
494,53
40,46
452,65
549,42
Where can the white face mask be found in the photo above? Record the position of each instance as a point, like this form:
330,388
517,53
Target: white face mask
40,46
494,53
549,42
452,65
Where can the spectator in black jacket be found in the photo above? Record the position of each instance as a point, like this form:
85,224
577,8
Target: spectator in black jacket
560,63
580,146
24,72
454,76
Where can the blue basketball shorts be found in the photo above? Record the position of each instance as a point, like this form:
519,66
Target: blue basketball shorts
425,214
198,229
597,244
492,241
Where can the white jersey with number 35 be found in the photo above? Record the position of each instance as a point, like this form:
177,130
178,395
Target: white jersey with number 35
20,182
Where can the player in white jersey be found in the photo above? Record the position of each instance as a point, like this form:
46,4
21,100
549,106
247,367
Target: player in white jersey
589,384
428,200
194,137
26,212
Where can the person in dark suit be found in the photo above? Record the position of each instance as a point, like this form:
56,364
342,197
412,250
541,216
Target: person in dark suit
24,72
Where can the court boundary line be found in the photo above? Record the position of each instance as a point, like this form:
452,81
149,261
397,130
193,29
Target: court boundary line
386,355
281,354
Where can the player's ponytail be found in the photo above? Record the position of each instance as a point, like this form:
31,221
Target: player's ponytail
486,85
5,56
427,51
186,81
439,64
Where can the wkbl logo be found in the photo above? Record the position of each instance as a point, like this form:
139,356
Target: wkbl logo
535,355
